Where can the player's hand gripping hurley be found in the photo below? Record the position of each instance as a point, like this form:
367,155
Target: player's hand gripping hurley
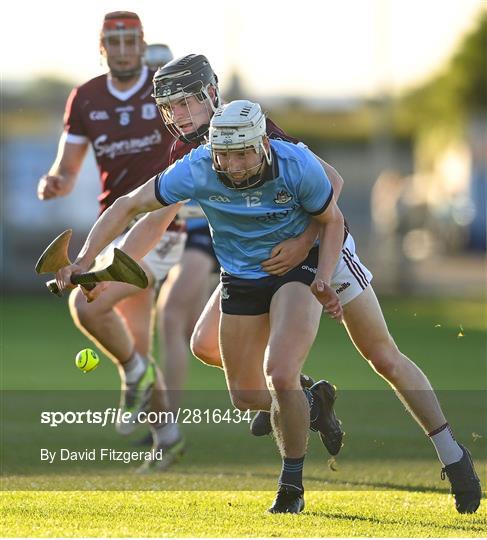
122,268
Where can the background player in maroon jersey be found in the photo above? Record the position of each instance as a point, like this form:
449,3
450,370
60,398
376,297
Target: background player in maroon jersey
116,115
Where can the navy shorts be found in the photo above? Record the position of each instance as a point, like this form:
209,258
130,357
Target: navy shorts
200,238
253,296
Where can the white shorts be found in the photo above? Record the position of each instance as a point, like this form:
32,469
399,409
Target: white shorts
351,277
159,261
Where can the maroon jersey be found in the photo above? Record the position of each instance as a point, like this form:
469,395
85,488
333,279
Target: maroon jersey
180,149
130,141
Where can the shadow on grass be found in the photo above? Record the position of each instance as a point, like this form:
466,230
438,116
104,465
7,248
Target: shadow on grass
383,486
380,521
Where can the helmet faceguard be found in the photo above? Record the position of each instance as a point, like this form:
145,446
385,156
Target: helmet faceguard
180,87
239,147
157,55
122,36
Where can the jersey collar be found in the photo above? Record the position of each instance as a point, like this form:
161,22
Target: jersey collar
127,94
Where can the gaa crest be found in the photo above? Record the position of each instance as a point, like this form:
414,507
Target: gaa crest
283,197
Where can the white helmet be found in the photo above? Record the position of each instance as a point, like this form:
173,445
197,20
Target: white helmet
157,55
237,126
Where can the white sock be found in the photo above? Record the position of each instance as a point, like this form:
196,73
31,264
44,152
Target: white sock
446,446
165,434
134,368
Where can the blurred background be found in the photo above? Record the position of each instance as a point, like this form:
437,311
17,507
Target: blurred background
393,93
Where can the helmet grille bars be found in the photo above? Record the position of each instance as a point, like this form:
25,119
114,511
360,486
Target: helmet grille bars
181,79
237,128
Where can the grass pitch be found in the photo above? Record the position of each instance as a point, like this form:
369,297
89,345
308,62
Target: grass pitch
386,479
235,514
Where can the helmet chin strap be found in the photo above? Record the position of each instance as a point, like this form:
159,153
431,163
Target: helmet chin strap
195,136
126,74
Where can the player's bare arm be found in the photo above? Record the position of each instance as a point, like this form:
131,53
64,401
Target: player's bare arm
109,226
62,176
140,240
333,176
147,232
331,239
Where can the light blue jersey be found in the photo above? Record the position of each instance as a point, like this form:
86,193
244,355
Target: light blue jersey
246,224
195,222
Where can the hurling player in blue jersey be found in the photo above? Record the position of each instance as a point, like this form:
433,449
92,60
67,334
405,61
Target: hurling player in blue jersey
255,192
264,371
187,94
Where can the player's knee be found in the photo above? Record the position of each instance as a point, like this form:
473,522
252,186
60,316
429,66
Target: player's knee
281,378
84,314
240,404
384,358
244,400
205,350
208,357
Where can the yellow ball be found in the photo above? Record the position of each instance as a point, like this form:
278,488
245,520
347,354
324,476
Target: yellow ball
87,360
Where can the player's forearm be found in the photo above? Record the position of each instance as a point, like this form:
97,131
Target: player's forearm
68,164
146,233
331,240
109,226
116,219
310,234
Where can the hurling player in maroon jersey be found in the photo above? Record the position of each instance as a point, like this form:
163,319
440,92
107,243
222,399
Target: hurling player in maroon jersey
116,115
183,107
